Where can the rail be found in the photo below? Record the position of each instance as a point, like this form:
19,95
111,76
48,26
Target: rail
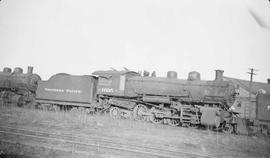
96,143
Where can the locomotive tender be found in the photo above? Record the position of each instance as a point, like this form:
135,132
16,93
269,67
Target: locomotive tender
67,91
18,87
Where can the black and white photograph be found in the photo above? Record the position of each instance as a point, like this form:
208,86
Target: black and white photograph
134,79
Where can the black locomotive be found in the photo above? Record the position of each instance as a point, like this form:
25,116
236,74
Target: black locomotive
18,87
169,100
127,94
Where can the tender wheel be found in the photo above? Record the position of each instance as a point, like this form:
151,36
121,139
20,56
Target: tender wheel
90,110
115,112
155,119
55,108
139,112
227,128
82,110
74,110
174,122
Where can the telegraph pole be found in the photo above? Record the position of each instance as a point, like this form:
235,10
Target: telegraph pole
250,89
251,80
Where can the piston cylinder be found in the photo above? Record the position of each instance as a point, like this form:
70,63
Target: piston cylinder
209,117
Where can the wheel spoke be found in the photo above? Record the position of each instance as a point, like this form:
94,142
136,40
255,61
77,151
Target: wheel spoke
155,119
74,110
139,112
115,112
227,128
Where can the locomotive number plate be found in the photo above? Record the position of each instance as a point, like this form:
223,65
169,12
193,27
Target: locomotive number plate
107,90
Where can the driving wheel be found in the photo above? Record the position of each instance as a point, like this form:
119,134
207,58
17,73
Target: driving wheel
139,112
115,112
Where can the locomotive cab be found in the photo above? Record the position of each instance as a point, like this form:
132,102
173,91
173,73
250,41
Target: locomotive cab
113,82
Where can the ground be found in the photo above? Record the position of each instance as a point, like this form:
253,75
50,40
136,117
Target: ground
97,129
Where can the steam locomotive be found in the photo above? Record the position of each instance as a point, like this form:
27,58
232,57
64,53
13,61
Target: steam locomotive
18,87
127,94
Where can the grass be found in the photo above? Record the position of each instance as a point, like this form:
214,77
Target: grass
136,131
73,119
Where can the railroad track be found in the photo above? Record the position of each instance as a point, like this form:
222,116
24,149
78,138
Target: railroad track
83,145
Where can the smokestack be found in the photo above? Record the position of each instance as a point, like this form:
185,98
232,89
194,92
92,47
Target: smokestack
30,69
219,75
268,80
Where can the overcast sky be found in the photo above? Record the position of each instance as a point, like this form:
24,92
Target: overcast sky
81,36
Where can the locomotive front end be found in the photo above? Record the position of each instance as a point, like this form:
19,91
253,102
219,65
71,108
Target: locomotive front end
18,87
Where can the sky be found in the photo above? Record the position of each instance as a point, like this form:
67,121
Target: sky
82,36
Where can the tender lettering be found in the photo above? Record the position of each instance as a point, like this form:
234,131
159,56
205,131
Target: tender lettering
54,90
62,90
73,91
